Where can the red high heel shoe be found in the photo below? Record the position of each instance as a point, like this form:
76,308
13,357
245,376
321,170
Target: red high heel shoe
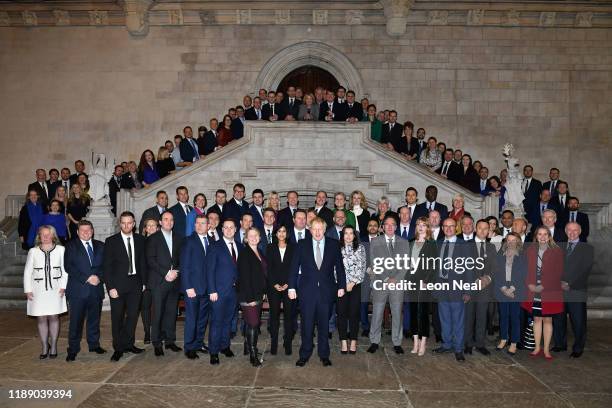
549,358
533,354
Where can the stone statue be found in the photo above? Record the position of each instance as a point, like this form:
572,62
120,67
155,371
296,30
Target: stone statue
98,179
514,191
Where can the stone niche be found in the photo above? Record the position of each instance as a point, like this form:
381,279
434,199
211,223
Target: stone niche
306,157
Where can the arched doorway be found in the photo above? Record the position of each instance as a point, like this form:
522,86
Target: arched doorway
308,78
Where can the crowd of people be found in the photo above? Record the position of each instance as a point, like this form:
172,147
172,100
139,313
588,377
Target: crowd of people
313,263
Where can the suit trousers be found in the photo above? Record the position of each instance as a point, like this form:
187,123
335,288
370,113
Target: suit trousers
221,319
475,323
366,290
163,323
81,309
124,316
275,299
145,313
510,321
419,319
314,311
435,320
452,319
197,311
578,317
379,301
348,313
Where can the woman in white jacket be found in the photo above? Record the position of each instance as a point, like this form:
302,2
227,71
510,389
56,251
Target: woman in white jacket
44,283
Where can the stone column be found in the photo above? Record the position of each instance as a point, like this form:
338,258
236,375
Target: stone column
137,16
396,13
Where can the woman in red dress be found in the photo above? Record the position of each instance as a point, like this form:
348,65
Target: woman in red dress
225,132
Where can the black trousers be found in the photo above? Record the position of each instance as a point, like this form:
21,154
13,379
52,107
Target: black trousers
163,325
435,320
577,312
124,316
81,309
475,322
275,299
348,307
419,319
145,313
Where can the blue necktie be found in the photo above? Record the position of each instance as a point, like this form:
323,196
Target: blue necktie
90,253
205,245
405,233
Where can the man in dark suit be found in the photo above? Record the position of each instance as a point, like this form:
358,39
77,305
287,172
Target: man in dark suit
331,110
207,143
318,263
559,201
255,111
577,267
483,181
334,230
193,285
536,212
237,126
42,187
221,277
53,183
423,209
114,186
124,274
549,220
574,215
155,212
450,170
290,104
298,231
391,131
79,168
320,208
531,188
188,147
553,183
83,260
65,179
163,251
256,209
285,216
237,205
180,210
219,205
271,111
354,110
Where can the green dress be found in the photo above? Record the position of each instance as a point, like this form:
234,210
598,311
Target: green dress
376,130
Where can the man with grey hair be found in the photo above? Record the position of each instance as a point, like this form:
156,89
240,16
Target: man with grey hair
549,220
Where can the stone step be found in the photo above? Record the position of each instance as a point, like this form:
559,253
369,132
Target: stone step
10,281
11,292
13,304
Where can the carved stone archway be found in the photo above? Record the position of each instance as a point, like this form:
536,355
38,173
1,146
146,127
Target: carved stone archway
310,53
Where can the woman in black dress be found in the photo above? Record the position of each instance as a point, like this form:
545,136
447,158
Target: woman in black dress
279,255
251,287
78,203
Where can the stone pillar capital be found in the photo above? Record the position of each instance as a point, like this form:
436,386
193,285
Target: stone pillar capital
396,12
137,16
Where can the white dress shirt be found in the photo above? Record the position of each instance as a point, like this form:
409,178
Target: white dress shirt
125,237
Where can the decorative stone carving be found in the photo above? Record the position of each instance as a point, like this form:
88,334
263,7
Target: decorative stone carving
5,20
512,18
396,13
29,18
437,17
547,18
208,17
175,17
98,17
354,17
319,17
243,16
62,17
282,17
137,16
514,190
584,19
475,17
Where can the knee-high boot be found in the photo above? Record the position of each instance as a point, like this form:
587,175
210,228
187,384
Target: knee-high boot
252,335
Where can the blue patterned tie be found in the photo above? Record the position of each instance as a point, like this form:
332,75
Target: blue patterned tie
90,253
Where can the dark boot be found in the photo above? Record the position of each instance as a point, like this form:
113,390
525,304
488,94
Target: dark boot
252,336
287,346
274,344
246,346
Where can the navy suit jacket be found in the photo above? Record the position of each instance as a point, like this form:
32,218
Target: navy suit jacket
462,249
221,270
180,219
233,210
79,269
532,196
258,221
193,264
237,128
546,186
317,285
582,219
188,152
293,239
332,233
421,210
207,143
215,208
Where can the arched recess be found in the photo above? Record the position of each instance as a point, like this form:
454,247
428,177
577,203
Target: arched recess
310,53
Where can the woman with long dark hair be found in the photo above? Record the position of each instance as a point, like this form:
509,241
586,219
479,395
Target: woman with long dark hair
30,218
224,133
147,170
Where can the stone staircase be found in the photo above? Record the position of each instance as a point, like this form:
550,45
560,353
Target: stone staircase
12,262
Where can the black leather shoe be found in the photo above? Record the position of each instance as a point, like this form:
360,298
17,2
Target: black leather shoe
116,356
97,350
483,351
326,362
232,335
300,363
227,352
441,350
330,335
43,356
398,349
365,333
373,348
576,354
134,350
192,355
203,349
214,359
468,350
558,349
406,334
159,351
71,357
438,339
173,347
459,357
147,340
287,346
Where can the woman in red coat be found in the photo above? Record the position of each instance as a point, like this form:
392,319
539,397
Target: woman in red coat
225,132
544,294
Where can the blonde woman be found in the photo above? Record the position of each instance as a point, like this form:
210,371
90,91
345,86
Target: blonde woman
359,207
273,201
164,164
44,284
61,195
431,156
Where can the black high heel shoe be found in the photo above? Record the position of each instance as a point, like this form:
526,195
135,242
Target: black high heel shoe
43,356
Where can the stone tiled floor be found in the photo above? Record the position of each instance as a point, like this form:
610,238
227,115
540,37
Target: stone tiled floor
383,379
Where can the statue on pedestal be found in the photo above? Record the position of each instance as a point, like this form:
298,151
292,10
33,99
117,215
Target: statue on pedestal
100,213
515,197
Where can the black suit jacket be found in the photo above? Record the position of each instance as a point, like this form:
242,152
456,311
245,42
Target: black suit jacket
237,128
532,195
326,214
285,217
250,113
355,111
454,173
160,261
338,109
392,135
470,180
207,143
149,213
582,219
290,110
187,151
215,208
266,111
74,177
278,271
577,268
116,264
43,197
114,187
53,188
546,186
180,219
251,284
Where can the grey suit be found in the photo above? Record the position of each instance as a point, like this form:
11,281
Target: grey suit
380,249
314,112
